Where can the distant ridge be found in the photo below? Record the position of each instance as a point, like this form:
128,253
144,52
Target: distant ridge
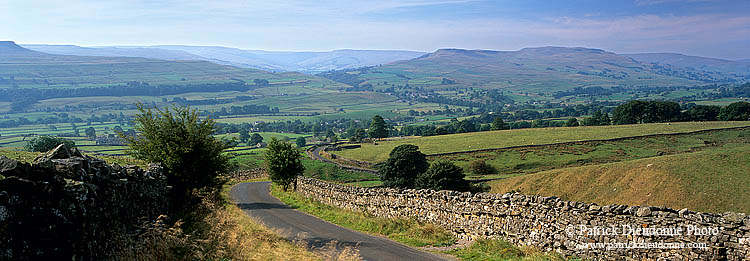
695,62
10,48
150,53
31,68
537,69
309,62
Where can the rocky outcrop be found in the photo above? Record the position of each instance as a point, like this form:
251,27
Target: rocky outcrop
590,231
66,206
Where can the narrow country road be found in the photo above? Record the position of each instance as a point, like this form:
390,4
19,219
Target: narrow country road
254,199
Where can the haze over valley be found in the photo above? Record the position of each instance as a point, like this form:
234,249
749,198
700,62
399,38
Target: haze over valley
375,130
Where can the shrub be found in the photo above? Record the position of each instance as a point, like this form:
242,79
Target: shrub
405,162
283,163
481,167
443,175
46,143
301,142
183,144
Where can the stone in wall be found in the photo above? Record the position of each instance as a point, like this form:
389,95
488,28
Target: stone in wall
570,228
66,206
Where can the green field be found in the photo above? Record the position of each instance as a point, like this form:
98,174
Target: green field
524,160
713,181
508,138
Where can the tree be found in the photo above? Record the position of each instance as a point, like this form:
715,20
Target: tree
604,119
443,175
404,163
481,167
261,82
358,135
255,139
661,111
738,111
572,122
301,142
184,145
283,163
90,133
244,135
378,128
47,143
702,113
499,124
629,113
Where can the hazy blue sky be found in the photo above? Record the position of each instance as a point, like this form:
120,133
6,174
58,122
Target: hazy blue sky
698,27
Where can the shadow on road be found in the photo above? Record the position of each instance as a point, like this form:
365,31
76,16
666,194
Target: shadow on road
255,206
320,243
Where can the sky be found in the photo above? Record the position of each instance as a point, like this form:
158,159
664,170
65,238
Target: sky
712,28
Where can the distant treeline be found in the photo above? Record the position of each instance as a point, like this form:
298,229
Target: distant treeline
635,112
22,98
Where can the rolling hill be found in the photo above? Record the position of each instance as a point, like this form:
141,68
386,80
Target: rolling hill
541,69
309,62
739,68
21,67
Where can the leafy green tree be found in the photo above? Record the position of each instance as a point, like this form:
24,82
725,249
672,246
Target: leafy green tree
47,143
738,111
604,119
572,122
404,163
499,124
481,167
330,134
443,175
378,128
244,135
255,139
283,162
629,113
90,133
702,113
358,135
301,142
184,145
661,111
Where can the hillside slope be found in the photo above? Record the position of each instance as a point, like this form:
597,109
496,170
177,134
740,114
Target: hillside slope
712,181
529,70
21,67
696,62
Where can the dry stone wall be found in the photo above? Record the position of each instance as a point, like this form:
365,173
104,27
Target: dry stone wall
66,206
248,174
571,228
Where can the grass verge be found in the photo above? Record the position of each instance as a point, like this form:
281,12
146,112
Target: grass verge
409,232
498,249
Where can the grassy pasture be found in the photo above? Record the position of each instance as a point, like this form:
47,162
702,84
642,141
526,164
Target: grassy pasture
507,138
515,161
713,181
